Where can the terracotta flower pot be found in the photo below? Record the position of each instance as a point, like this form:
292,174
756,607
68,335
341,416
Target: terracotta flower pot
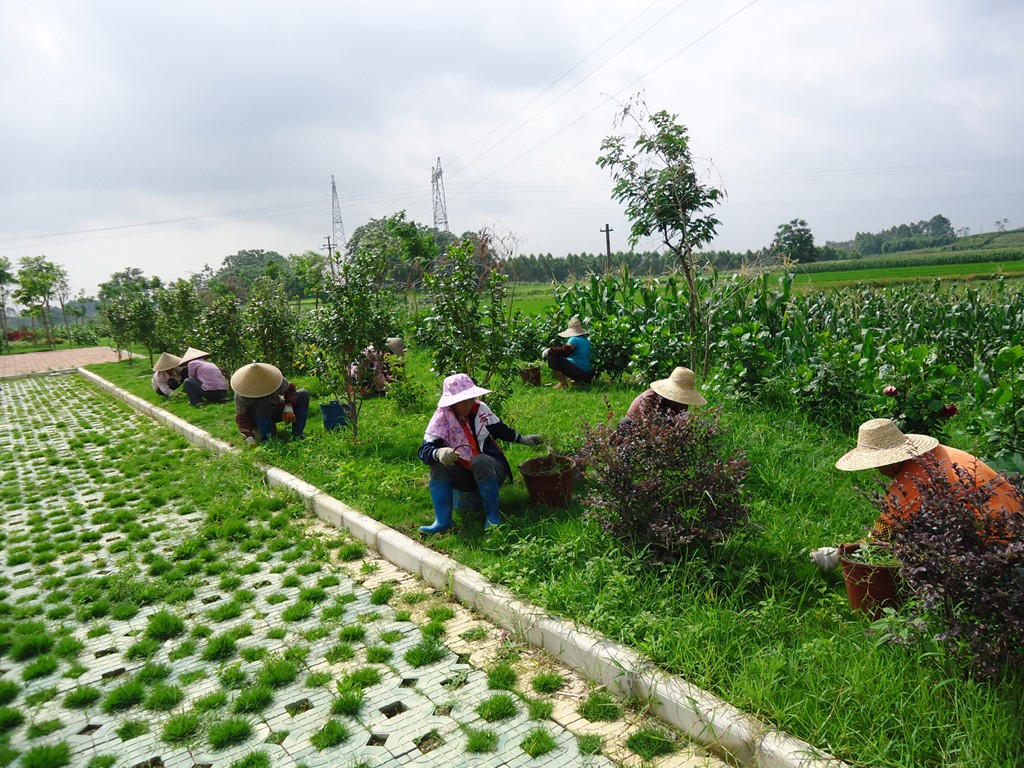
530,375
549,480
870,587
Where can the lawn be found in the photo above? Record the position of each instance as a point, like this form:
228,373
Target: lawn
751,621
885,275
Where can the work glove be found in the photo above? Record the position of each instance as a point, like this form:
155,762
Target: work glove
250,441
446,456
826,558
529,440
544,353
289,415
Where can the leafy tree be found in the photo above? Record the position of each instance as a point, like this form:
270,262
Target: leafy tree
178,311
128,281
220,333
6,279
656,179
469,325
269,324
409,248
239,271
37,283
62,290
358,311
795,241
310,271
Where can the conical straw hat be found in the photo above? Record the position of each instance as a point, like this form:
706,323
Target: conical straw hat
256,379
880,443
193,354
166,362
679,388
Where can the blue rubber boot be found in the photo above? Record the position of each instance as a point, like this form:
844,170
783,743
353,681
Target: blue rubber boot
441,496
489,495
266,429
299,425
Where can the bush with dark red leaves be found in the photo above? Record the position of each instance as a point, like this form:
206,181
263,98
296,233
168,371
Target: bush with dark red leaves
965,563
664,482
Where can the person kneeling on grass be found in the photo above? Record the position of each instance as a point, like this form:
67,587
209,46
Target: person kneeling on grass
670,396
167,374
914,463
460,449
205,382
264,397
571,361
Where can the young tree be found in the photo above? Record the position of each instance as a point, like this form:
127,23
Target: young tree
62,290
358,311
6,280
655,177
37,281
178,312
269,325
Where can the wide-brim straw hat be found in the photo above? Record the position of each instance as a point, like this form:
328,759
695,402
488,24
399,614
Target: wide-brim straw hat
256,379
193,354
679,387
459,387
396,345
880,443
575,328
166,361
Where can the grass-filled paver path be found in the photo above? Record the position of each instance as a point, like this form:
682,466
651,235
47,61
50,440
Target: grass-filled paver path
163,607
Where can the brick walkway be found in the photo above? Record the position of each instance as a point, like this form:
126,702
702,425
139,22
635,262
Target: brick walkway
12,366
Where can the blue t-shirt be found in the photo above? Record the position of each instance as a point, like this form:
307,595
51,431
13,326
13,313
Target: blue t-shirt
581,356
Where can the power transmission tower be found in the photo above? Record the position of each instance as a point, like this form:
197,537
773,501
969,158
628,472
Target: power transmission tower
336,242
440,206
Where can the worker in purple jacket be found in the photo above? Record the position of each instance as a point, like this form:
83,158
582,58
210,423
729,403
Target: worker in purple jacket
205,382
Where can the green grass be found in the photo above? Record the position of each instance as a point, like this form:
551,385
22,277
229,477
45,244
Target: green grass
547,682
498,707
181,728
330,735
425,652
598,706
226,733
480,740
163,698
82,697
47,756
589,743
537,742
131,729
253,700
502,677
757,616
650,743
124,696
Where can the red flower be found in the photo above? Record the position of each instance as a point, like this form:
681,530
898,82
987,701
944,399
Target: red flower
890,391
949,410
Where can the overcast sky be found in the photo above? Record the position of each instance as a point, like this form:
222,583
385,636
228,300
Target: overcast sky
167,136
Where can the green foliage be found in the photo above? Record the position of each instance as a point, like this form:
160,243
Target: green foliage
269,324
537,742
480,740
47,756
468,326
598,706
178,311
220,332
922,390
650,743
547,682
226,733
498,707
999,392
330,735
181,728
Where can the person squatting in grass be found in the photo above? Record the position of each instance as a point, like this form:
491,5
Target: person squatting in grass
167,374
670,396
571,361
205,382
912,462
264,397
460,449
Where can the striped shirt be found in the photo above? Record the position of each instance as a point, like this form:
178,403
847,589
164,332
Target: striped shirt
208,375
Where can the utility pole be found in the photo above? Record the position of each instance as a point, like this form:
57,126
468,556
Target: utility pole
608,245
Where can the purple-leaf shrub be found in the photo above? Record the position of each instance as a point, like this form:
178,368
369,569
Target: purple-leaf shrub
664,482
965,563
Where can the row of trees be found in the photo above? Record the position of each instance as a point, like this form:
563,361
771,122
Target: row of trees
36,285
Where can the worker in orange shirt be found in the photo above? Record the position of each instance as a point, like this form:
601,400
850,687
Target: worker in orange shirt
912,462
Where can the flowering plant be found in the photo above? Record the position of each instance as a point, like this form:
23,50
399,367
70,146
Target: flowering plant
921,391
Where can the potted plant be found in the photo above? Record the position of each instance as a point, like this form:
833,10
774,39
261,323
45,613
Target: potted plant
549,479
529,372
872,575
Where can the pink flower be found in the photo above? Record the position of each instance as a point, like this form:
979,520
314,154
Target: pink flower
949,410
890,391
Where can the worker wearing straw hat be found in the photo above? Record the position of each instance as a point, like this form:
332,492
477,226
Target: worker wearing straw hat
913,463
264,397
668,396
205,382
460,449
571,361
167,374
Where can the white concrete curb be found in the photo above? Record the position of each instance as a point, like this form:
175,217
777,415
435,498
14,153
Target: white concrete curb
704,718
